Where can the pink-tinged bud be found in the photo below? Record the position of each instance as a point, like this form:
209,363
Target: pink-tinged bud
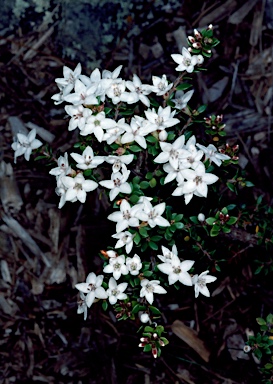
196,45
219,118
155,335
227,217
235,158
191,39
210,27
189,49
213,127
120,151
197,34
118,315
247,348
154,352
142,344
227,145
235,147
161,342
207,120
221,150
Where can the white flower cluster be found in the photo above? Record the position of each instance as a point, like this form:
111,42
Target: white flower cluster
182,162
119,265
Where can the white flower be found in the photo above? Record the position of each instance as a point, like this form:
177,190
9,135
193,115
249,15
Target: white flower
139,91
93,288
125,217
68,81
134,264
117,184
98,85
149,288
82,95
116,266
161,119
167,254
200,283
212,154
136,131
115,291
117,92
152,215
113,134
171,152
124,239
78,114
119,161
177,270
82,306
198,180
25,144
63,167
96,124
186,61
111,75
77,187
87,160
160,85
181,99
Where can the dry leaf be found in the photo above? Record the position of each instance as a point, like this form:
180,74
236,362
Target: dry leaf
189,336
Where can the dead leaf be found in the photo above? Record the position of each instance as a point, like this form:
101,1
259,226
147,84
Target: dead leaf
189,336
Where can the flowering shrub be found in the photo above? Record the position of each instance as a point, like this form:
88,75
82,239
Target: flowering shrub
140,145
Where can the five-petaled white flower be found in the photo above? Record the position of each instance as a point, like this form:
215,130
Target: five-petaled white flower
117,184
96,124
181,99
119,161
186,61
82,95
163,118
63,167
136,131
25,144
177,270
152,215
77,187
138,90
67,82
160,85
87,160
167,254
116,266
200,282
124,239
116,291
126,217
93,288
79,114
171,152
134,264
212,154
149,287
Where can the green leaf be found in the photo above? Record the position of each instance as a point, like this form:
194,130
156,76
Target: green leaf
258,353
149,175
147,273
224,211
134,199
210,220
249,184
214,232
104,305
147,348
231,206
154,310
153,182
156,238
135,148
143,232
231,187
144,185
151,139
153,245
269,318
232,220
268,366
165,341
137,239
260,321
179,225
148,329
226,229
183,86
202,108
178,217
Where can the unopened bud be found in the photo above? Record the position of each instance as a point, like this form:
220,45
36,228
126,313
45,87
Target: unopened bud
144,339
197,34
155,335
144,318
161,342
189,49
154,352
210,27
201,217
235,147
118,315
196,45
191,39
163,135
120,151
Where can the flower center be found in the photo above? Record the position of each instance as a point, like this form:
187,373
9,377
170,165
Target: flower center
149,287
198,180
77,186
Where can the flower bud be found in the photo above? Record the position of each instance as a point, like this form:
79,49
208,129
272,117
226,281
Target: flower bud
191,39
161,342
120,151
197,34
144,318
196,45
144,339
201,217
163,135
154,352
155,335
